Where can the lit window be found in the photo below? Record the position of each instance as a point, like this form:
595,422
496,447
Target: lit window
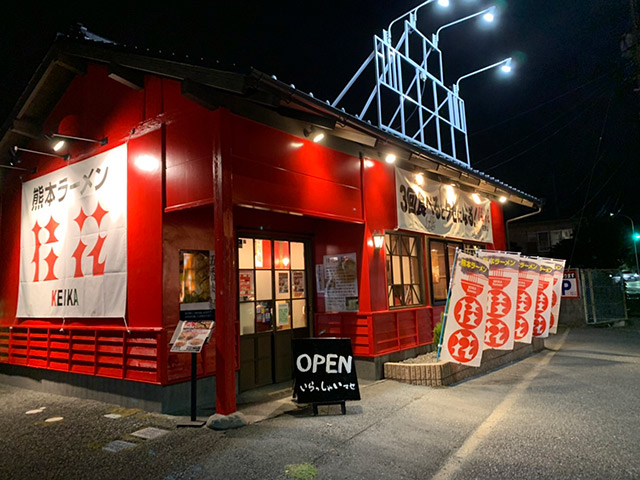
405,285
441,260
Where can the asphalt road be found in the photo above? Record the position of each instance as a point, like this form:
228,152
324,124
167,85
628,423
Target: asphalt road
571,411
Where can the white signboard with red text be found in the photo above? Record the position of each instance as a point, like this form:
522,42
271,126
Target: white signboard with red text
502,299
73,243
529,273
463,339
440,209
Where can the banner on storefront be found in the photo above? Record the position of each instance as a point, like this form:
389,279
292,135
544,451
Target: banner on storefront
556,295
542,321
73,240
440,209
502,299
528,276
463,339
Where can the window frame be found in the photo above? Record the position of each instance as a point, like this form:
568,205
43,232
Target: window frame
389,274
447,245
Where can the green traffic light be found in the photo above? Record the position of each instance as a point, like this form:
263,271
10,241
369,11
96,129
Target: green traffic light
636,236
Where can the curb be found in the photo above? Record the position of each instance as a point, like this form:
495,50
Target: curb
445,373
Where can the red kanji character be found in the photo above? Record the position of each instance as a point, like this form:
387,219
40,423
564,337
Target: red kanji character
468,312
463,346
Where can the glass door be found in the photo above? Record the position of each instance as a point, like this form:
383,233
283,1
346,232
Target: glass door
272,289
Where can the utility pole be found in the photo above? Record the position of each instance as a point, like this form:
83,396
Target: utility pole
635,18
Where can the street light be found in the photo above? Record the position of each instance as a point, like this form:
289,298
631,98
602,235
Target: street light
504,64
634,236
488,15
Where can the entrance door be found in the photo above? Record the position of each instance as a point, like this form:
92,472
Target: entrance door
273,307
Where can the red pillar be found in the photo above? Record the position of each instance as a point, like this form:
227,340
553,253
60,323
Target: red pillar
498,227
225,265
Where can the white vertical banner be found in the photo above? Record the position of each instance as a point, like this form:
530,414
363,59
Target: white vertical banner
542,321
528,275
556,296
502,299
73,240
463,339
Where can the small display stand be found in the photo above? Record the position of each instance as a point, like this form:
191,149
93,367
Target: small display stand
190,337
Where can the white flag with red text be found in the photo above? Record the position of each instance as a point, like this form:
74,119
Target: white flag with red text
528,275
502,299
463,338
556,296
73,240
542,321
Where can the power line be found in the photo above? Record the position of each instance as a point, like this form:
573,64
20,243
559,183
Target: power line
593,168
540,105
536,145
565,113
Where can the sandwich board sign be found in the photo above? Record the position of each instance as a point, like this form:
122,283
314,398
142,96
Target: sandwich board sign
324,372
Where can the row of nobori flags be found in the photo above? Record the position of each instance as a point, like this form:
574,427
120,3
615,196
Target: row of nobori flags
496,299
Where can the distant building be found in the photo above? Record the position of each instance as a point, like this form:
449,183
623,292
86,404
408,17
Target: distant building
538,238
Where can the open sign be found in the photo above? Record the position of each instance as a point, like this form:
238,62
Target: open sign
324,370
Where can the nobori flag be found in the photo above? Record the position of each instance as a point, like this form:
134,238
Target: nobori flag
502,298
542,320
463,339
73,240
556,296
528,275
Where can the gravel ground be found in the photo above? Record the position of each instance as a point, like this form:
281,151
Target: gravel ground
429,357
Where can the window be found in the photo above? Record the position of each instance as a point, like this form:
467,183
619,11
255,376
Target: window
272,290
441,258
405,285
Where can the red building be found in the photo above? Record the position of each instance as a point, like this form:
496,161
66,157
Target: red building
220,162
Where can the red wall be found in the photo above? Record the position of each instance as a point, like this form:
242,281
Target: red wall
343,199
95,106
275,169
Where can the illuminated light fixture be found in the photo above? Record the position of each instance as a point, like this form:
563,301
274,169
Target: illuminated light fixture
506,68
61,140
505,65
368,163
502,199
488,15
285,261
17,149
411,13
476,198
147,163
315,135
451,195
420,179
390,158
297,144
378,240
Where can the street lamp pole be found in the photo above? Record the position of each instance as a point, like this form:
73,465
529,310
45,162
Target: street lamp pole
506,67
488,15
633,236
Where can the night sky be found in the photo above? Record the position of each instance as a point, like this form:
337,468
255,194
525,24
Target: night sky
563,126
